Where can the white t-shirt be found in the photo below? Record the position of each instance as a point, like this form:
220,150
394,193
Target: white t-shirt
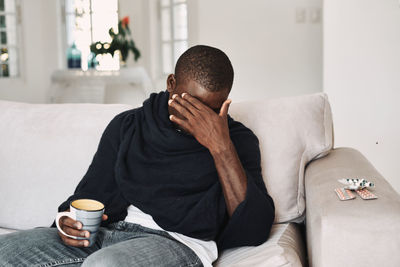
206,250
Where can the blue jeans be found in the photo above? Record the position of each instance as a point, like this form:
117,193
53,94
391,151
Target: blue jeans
119,244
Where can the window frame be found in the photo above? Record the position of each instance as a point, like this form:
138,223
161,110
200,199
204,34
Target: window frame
172,40
18,42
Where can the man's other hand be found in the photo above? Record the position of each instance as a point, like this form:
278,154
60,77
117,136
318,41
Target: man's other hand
72,227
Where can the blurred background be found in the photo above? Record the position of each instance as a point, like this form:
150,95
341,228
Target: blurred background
64,51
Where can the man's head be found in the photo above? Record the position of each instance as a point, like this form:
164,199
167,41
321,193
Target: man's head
206,65
204,72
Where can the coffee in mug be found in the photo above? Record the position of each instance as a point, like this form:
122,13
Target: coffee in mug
87,211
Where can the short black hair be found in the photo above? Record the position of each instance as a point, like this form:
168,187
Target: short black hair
206,65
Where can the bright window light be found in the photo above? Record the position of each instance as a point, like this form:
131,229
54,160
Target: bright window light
88,21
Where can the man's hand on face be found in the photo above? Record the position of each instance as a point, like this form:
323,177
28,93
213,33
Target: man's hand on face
74,228
209,128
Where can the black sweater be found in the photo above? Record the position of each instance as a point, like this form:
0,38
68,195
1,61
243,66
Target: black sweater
143,160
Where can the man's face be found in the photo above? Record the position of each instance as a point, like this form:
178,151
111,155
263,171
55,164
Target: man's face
213,100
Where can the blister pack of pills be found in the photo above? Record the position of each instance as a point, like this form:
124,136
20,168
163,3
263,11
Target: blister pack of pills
365,194
356,185
344,194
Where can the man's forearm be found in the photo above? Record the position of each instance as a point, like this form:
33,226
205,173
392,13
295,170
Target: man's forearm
231,175
211,130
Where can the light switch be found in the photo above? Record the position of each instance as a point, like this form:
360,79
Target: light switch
301,14
315,14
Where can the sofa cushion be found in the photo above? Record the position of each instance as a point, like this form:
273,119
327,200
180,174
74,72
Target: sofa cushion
45,151
285,247
292,131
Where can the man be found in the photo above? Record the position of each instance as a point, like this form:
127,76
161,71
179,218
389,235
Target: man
180,180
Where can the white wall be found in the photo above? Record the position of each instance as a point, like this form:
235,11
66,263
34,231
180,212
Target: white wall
272,55
39,53
362,78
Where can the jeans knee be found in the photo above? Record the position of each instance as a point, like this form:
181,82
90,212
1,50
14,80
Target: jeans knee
104,258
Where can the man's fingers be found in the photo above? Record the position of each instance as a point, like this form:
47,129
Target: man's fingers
65,220
74,232
225,106
186,103
74,242
182,123
181,109
194,101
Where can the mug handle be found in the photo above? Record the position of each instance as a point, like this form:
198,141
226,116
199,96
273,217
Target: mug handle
61,214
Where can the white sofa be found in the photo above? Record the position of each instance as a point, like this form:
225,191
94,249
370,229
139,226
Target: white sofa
47,148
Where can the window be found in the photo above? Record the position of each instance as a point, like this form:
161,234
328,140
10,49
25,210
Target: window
8,38
88,21
174,32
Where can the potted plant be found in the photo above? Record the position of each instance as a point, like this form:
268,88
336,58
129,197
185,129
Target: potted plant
121,41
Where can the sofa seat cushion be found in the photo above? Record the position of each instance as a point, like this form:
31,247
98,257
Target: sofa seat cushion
285,247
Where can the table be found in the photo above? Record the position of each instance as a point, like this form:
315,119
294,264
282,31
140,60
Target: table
127,85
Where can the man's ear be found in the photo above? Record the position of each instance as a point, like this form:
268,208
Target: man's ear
171,83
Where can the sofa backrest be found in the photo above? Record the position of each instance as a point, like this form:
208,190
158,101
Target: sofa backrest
45,150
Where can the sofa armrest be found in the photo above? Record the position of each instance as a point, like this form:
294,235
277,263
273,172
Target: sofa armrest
354,232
